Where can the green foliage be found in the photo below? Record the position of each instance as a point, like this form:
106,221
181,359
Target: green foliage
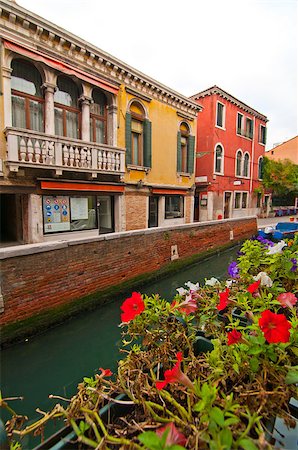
280,176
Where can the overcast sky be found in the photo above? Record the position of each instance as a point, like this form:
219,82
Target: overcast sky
246,47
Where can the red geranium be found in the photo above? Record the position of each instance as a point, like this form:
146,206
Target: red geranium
252,288
175,375
174,437
287,299
105,372
189,305
234,337
132,307
223,300
275,327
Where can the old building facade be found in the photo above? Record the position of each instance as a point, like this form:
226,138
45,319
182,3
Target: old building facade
231,138
88,145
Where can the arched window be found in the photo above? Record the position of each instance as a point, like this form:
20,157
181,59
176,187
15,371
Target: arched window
26,95
98,118
260,168
66,108
138,136
185,149
219,159
246,165
238,163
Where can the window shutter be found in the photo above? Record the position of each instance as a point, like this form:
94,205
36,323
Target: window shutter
265,136
128,137
147,143
190,154
179,152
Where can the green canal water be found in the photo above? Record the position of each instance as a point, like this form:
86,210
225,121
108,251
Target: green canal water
55,362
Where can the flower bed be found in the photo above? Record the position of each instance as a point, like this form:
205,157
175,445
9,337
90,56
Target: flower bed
211,369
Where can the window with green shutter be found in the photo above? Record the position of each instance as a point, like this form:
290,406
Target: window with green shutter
138,137
185,150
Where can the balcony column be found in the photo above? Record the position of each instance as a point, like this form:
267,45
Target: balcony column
85,105
6,75
49,90
112,125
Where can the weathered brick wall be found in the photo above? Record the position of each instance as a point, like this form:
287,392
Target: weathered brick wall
136,209
43,276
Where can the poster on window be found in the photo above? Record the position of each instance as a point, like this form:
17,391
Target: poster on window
56,215
79,208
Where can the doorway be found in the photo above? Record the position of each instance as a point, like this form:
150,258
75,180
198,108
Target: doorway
153,211
10,219
227,204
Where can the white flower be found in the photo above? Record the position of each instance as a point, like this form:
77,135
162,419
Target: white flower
229,283
276,248
181,291
192,287
212,282
265,279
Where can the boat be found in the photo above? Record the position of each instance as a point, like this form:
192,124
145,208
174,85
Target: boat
282,230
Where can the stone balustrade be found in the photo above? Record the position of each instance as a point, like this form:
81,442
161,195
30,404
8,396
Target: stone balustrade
33,149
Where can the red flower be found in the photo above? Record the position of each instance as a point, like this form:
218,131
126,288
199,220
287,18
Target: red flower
174,437
254,287
105,372
188,306
234,337
275,327
223,299
287,299
175,375
132,307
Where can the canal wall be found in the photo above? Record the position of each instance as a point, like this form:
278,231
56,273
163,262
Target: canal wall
42,284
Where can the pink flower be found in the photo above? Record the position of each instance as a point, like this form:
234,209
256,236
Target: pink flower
132,307
223,299
287,299
275,327
234,337
175,375
188,306
252,288
174,437
105,372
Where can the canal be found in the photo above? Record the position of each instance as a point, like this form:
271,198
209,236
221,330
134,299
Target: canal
56,361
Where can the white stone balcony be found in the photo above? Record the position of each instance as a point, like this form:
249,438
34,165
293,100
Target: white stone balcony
39,150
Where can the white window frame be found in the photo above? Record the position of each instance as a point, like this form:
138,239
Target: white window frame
223,116
253,130
248,166
242,122
259,138
241,163
241,200
222,160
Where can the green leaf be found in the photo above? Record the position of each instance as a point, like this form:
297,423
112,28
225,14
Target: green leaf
150,440
231,421
254,364
226,438
247,444
292,376
218,416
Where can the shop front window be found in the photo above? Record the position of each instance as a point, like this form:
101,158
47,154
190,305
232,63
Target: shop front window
174,206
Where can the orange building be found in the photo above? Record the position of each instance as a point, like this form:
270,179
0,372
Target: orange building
286,150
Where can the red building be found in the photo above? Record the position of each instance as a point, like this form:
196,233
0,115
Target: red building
231,138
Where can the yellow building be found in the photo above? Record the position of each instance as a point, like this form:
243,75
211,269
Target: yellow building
286,150
88,144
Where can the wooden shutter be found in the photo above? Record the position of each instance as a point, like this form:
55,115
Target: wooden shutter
190,154
179,162
128,138
147,143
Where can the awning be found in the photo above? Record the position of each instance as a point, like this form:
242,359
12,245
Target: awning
58,65
160,191
84,187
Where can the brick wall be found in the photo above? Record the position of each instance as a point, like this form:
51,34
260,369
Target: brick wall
136,203
37,277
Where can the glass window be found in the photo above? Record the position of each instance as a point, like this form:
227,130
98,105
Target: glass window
26,95
262,135
249,128
239,123
137,134
259,199
184,132
260,169
219,159
246,165
244,199
220,115
174,206
66,108
237,200
98,118
238,163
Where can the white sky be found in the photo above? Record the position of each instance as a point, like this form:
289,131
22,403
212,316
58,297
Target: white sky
246,47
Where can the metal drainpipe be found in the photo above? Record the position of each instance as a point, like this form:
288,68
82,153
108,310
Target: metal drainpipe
252,154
